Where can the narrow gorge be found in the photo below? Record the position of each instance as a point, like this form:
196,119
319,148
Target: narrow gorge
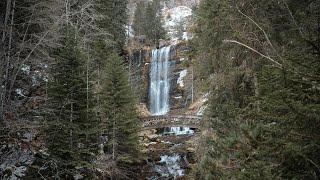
159,89
163,79
167,146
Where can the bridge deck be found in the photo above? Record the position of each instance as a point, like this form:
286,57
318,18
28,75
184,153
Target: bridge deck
153,122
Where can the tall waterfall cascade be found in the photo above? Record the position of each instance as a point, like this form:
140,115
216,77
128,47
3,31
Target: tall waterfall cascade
160,81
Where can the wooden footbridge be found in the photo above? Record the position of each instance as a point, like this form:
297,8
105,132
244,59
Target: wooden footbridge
153,122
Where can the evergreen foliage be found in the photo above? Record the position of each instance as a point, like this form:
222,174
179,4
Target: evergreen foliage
139,21
147,21
71,132
262,59
117,114
113,21
52,52
120,118
259,57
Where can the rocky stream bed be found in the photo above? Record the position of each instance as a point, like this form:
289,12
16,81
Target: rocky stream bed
170,153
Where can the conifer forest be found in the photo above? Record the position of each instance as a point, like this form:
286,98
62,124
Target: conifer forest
159,89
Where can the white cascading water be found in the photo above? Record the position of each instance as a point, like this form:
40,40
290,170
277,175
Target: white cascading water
159,81
172,166
180,131
159,105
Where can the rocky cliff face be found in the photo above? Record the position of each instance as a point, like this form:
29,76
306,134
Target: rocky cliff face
166,5
181,79
180,75
176,16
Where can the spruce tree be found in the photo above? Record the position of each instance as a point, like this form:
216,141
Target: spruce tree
71,133
120,121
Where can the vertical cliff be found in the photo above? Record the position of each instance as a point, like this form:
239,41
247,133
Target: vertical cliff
176,18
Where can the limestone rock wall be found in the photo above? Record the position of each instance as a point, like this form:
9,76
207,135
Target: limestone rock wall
180,77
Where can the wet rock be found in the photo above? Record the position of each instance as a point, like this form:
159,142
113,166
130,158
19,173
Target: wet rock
163,43
154,138
157,158
191,150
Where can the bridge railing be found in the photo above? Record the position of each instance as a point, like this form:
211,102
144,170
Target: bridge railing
165,121
169,117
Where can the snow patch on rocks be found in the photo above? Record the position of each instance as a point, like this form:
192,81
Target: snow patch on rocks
201,111
204,105
176,15
199,106
181,76
176,22
14,162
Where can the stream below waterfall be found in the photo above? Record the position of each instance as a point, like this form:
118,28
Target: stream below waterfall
168,157
167,148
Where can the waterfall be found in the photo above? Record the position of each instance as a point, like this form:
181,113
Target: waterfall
159,81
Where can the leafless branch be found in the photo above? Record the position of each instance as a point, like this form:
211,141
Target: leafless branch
254,50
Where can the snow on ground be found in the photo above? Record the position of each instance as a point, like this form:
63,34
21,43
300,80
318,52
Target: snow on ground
205,97
180,79
25,69
20,92
204,105
199,106
201,110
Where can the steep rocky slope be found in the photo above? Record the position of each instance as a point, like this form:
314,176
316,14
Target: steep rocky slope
177,18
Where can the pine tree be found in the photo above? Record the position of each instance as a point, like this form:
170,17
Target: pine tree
120,118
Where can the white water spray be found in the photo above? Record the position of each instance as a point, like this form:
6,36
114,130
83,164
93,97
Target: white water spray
159,81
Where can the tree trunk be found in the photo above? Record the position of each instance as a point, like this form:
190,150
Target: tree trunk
98,95
114,140
67,11
87,81
256,91
192,85
8,10
6,79
71,120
